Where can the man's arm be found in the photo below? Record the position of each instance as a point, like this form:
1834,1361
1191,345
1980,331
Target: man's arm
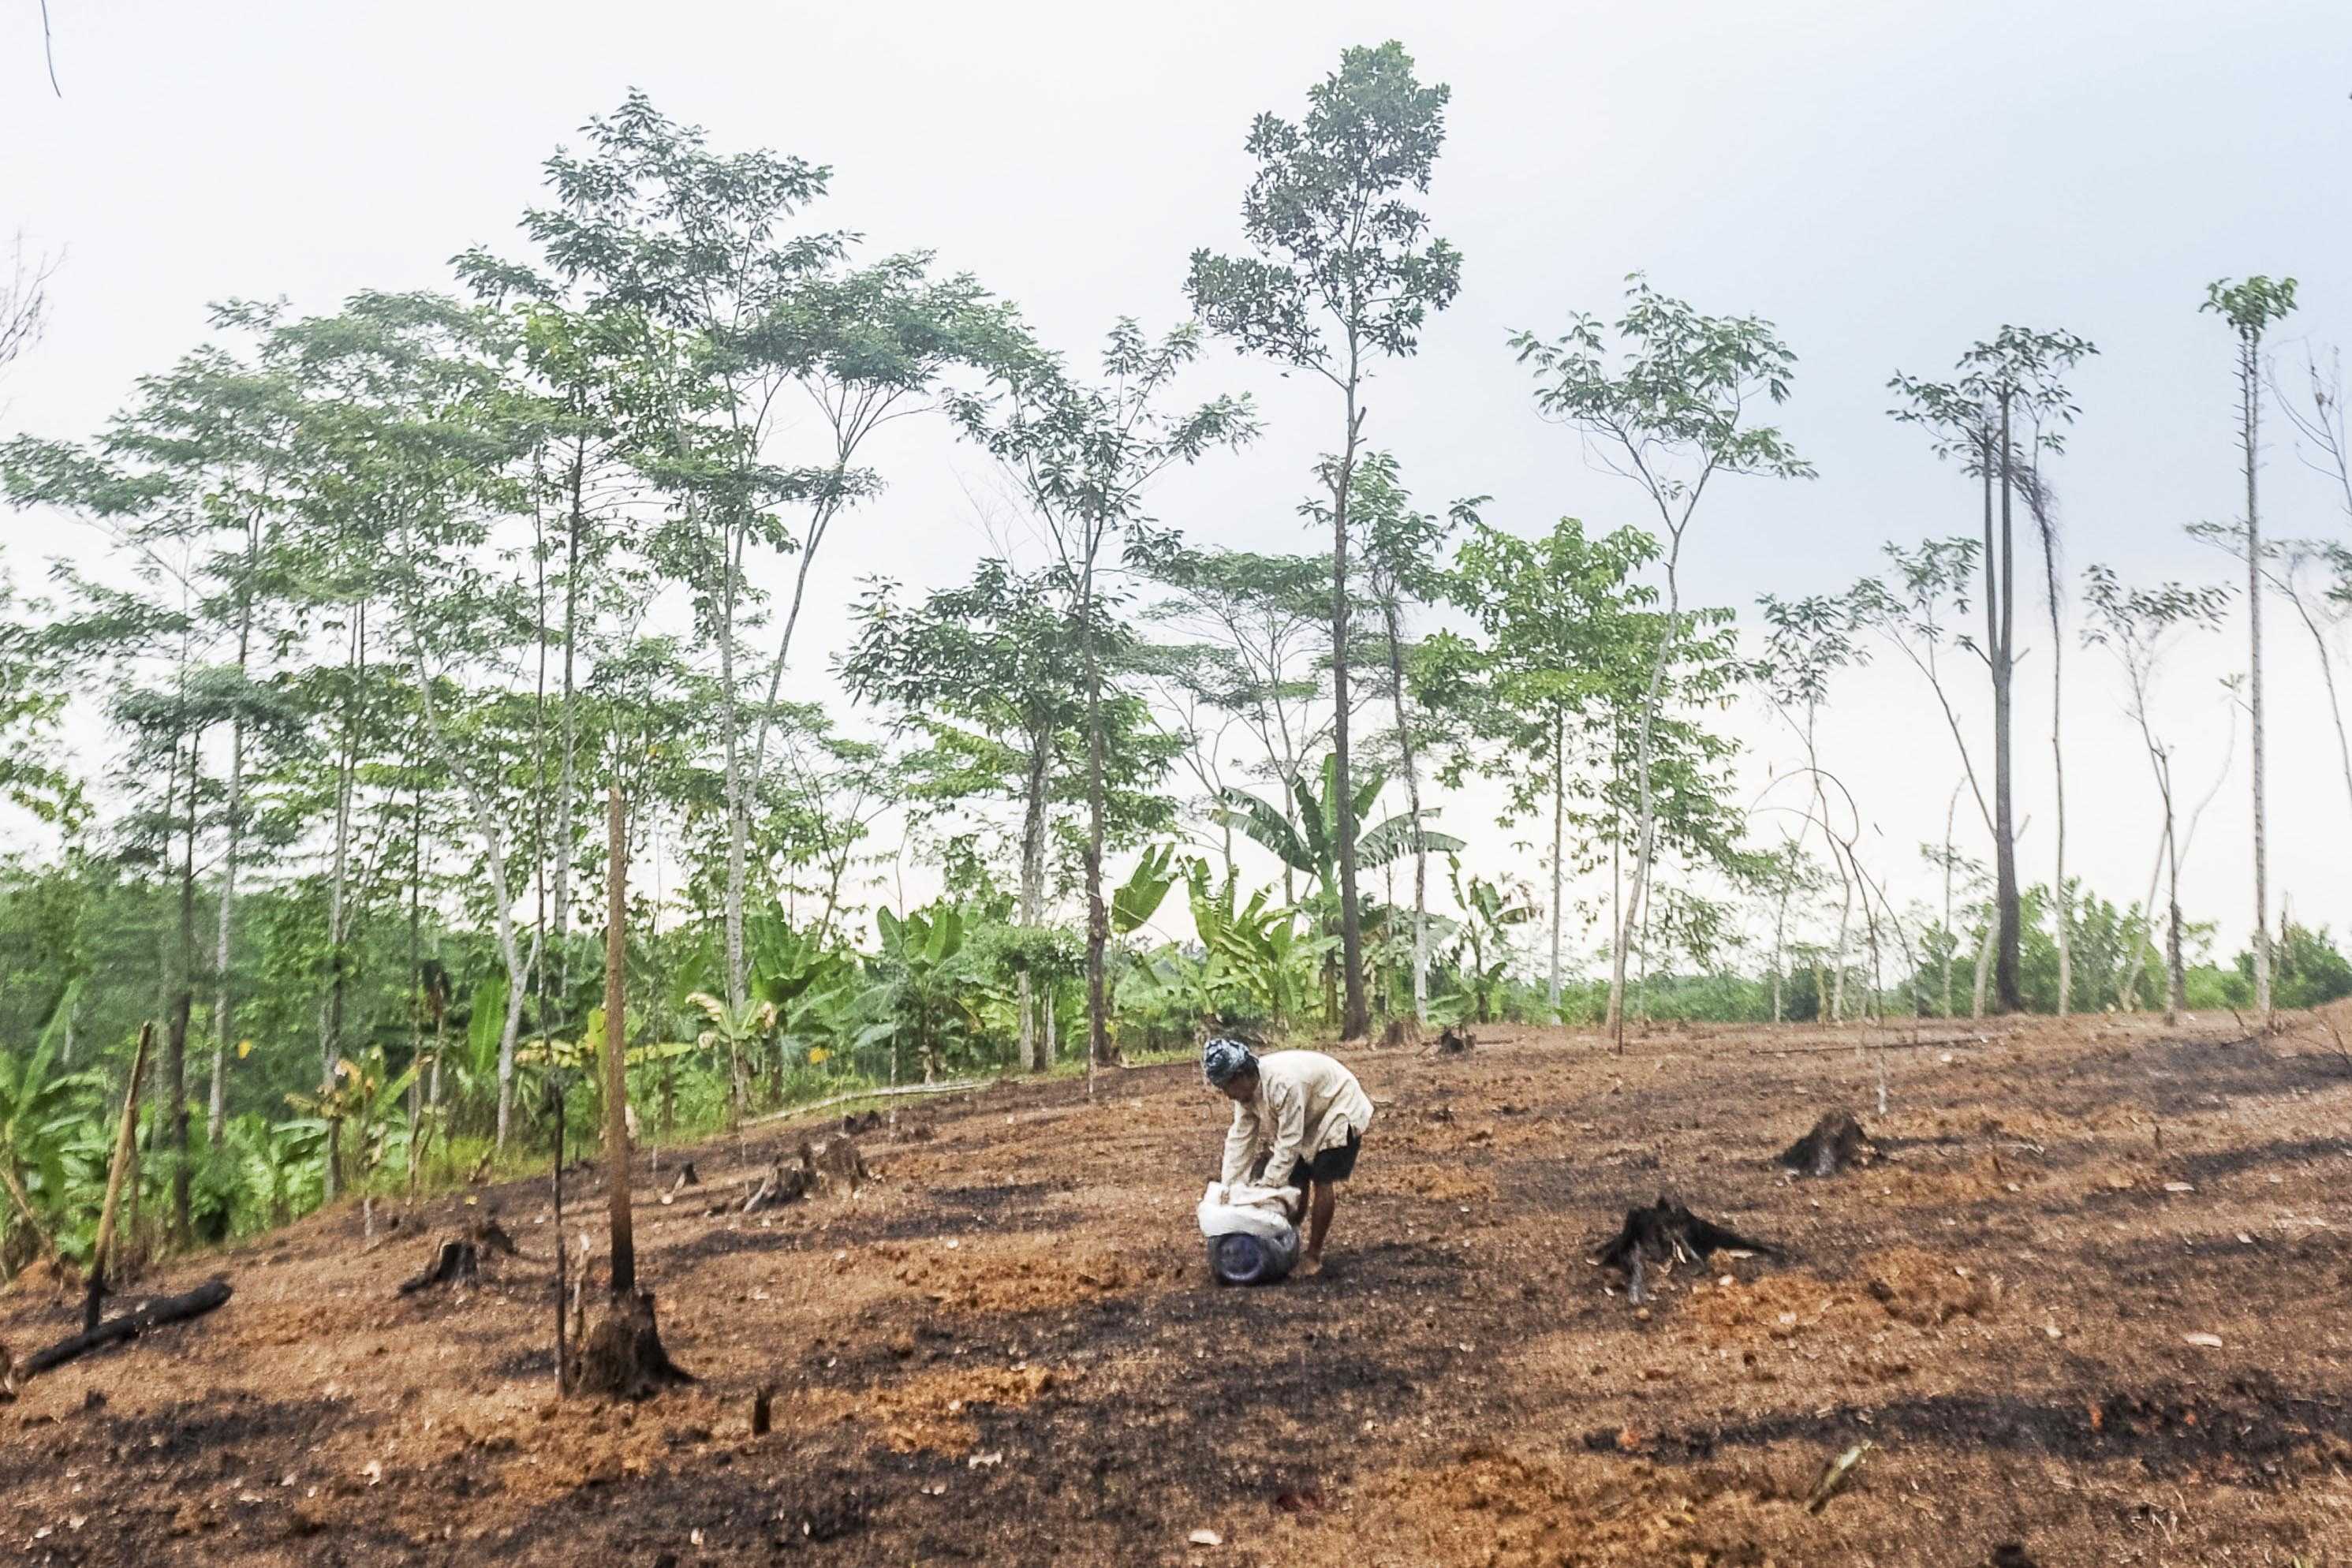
1241,1144
1289,1139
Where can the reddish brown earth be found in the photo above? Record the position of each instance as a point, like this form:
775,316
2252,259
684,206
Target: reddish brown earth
1006,1350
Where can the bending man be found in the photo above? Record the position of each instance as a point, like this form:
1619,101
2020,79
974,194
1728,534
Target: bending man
1300,1112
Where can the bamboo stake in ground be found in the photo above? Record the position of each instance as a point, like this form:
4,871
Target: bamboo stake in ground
123,1139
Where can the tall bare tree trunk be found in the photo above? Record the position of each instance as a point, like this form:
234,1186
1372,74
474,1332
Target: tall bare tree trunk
2251,401
1356,1022
1098,1048
739,809
1413,803
1032,884
233,829
1558,846
184,998
617,1034
2000,610
2038,501
1629,916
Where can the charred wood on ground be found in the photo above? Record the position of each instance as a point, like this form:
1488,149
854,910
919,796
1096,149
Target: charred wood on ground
622,1357
1665,1235
155,1314
1453,1040
1837,1142
458,1259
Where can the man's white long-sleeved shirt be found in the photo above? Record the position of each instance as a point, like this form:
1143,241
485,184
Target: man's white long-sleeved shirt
1306,1103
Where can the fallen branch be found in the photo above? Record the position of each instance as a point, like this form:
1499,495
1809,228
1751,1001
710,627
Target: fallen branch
1865,1045
815,1105
155,1314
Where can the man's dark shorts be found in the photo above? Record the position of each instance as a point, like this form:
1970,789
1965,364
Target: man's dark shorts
1331,1166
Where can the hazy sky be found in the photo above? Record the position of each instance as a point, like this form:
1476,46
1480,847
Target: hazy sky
1886,181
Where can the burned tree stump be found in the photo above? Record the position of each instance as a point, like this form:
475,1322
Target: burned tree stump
458,1259
1453,1040
835,1162
782,1185
1665,1235
455,1261
1836,1143
622,1357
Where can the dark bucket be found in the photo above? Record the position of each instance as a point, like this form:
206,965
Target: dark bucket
1241,1258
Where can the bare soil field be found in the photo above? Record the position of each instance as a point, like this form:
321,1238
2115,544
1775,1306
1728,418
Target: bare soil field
1006,1349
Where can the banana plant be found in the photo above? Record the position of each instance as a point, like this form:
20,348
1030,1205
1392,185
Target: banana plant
919,957
365,1097
1270,960
1145,888
1307,837
738,1031
35,1109
1482,951
277,1165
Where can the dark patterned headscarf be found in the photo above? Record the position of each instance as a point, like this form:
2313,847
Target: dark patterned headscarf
1221,1061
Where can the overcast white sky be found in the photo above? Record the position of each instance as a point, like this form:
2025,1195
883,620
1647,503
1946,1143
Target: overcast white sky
1887,181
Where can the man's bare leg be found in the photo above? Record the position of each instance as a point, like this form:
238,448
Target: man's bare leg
1318,1222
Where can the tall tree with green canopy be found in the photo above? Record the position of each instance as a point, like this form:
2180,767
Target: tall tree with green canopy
1260,621
1561,625
190,479
1402,549
1084,454
2251,307
739,318
418,438
996,655
1345,271
2012,379
2138,627
1666,406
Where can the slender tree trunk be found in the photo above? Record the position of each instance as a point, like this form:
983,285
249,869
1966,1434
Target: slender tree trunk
2250,401
486,825
1558,846
2176,994
1985,941
1033,880
568,722
1844,945
1355,1023
1951,932
331,1045
183,997
2001,605
233,831
1780,939
1098,1047
1647,820
739,810
1413,804
616,1034
2048,527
